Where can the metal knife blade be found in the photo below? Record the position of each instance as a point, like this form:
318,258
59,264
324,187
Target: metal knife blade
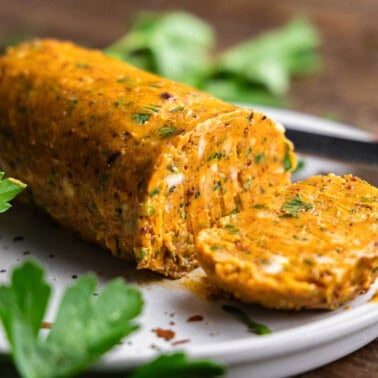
337,148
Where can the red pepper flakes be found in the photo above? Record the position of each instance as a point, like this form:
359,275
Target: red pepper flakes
166,334
46,325
179,342
195,318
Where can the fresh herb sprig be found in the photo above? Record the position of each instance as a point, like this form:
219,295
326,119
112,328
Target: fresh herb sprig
175,45
86,326
9,188
257,70
294,206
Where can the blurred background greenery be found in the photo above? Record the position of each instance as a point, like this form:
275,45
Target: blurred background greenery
322,57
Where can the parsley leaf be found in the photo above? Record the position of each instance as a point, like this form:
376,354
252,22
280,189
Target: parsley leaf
177,365
270,59
259,329
231,229
141,118
167,131
287,163
84,329
179,46
9,188
292,207
175,45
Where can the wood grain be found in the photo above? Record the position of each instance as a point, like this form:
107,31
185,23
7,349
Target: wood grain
346,87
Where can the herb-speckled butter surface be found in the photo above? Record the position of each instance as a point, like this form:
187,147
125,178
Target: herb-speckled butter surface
132,161
315,245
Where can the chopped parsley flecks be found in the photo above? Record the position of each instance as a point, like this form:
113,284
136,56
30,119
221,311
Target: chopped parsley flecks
259,158
153,108
82,66
231,229
260,206
287,163
142,253
308,262
123,79
292,207
141,118
121,103
235,211
172,168
217,186
154,192
149,210
259,329
215,155
167,131
177,109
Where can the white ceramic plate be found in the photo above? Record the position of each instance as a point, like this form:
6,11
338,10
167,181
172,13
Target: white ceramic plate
300,341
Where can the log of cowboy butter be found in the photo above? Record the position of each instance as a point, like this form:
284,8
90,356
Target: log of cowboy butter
128,159
313,246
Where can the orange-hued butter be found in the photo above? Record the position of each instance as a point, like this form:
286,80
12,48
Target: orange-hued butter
315,245
135,162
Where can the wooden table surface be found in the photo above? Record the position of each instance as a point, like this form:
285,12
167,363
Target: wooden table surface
346,87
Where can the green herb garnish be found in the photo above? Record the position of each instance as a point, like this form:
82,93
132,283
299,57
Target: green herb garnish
177,109
270,59
9,188
167,131
231,229
86,326
154,192
166,43
292,207
153,108
149,210
217,186
172,168
260,206
259,158
257,70
142,253
82,66
177,365
141,118
287,163
258,328
215,155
